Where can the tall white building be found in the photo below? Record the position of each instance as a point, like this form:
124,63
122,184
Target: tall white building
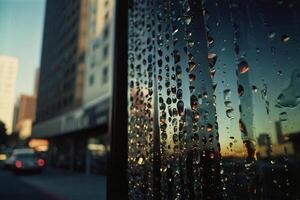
99,56
8,75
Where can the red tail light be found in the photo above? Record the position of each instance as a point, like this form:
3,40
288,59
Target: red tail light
18,164
41,162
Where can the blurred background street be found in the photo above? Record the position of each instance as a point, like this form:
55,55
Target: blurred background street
56,61
51,185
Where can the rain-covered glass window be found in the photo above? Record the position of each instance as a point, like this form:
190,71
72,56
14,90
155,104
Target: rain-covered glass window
213,94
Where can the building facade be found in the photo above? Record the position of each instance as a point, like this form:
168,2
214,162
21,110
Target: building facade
75,82
99,57
62,63
8,75
26,115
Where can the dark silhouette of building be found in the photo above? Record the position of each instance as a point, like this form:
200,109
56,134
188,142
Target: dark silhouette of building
265,140
294,138
62,63
279,134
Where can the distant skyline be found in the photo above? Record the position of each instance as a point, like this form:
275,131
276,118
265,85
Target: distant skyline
21,33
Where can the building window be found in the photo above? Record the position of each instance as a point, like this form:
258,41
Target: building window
93,64
81,57
95,8
96,44
106,30
93,61
106,15
105,75
105,51
91,80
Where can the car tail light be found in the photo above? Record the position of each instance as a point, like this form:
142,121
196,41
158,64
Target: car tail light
41,162
18,164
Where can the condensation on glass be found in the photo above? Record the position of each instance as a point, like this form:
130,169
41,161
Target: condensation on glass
213,94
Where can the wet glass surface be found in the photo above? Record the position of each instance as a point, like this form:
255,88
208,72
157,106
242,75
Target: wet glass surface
213,99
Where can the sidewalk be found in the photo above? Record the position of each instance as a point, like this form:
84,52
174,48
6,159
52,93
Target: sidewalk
69,186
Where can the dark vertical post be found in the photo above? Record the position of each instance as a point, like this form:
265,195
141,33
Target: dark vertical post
117,181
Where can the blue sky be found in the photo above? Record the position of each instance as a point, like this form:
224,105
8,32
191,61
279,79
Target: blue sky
21,33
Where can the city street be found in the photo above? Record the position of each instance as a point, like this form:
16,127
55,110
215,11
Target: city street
51,185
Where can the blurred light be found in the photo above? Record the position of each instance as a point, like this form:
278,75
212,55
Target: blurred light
41,162
3,157
39,144
96,147
41,148
19,164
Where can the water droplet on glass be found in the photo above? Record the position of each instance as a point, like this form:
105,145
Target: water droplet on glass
212,59
191,43
189,34
212,72
192,77
271,35
272,162
175,31
179,94
180,107
229,113
196,116
243,67
178,71
179,82
254,88
242,127
176,57
214,86
210,41
290,96
206,115
283,116
194,102
140,160
227,94
160,100
228,103
192,88
241,90
192,66
209,127
159,77
162,106
173,89
285,38
188,20
175,138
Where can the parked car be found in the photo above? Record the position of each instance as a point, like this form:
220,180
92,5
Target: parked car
4,155
25,160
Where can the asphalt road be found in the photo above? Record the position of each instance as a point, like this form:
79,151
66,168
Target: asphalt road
13,188
52,184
